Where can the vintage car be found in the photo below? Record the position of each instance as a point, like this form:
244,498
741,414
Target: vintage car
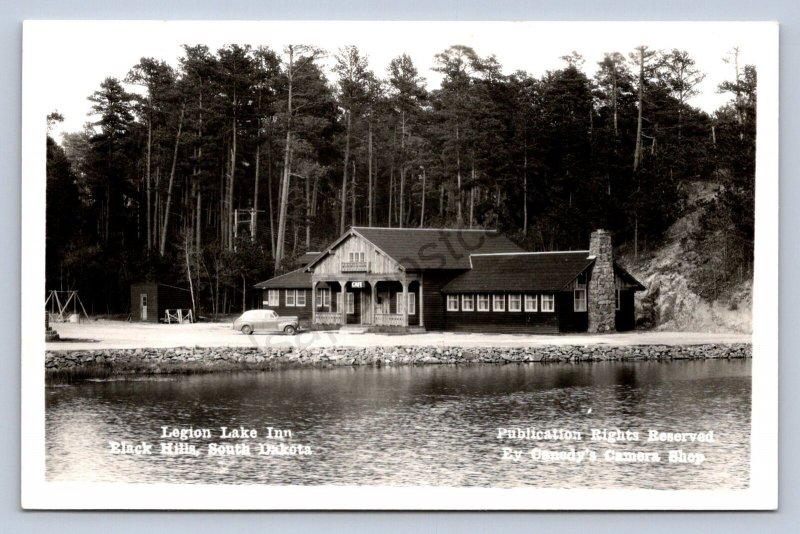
265,321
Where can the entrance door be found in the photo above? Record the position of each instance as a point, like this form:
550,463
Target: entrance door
143,306
365,303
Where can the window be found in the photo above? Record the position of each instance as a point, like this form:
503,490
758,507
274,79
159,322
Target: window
289,297
483,302
499,303
357,256
324,297
300,299
274,297
580,300
515,303
351,303
548,303
412,304
467,302
617,299
452,302
531,303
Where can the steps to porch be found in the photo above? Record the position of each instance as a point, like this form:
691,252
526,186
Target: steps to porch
354,329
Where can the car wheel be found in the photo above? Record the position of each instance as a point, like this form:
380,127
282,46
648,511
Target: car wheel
247,330
290,330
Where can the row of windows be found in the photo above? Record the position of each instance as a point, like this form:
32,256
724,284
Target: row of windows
498,302
294,298
297,298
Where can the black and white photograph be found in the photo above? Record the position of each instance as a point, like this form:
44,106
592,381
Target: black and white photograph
399,265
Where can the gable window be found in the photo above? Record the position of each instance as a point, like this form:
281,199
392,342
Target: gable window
357,256
483,302
617,299
274,297
548,303
531,303
499,303
412,304
467,302
580,300
452,302
300,299
515,303
351,303
290,297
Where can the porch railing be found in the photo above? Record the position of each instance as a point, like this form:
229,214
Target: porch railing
355,266
389,319
328,318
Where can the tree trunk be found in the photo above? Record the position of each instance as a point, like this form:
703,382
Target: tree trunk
308,212
171,180
525,191
353,195
198,236
254,222
391,190
269,198
147,182
637,155
459,216
231,180
369,172
422,209
402,168
472,193
187,245
441,201
344,173
284,196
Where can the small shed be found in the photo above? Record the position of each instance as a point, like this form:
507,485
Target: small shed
150,300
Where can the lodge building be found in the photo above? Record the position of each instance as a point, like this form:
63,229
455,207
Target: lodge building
459,280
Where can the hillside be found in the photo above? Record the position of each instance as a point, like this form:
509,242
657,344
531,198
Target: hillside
684,292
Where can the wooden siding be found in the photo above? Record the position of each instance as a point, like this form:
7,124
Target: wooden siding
378,262
303,313
151,290
507,322
570,320
435,302
160,297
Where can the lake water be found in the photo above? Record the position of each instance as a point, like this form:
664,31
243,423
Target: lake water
428,425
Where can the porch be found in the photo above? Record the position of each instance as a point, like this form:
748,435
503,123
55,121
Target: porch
367,300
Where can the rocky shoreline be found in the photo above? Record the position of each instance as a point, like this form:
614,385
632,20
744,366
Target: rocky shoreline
102,363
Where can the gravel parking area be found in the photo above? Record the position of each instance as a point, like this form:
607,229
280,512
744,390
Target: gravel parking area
119,334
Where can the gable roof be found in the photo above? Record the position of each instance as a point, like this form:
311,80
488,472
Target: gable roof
530,271
429,248
299,278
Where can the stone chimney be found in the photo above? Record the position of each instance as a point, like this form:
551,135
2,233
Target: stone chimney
601,290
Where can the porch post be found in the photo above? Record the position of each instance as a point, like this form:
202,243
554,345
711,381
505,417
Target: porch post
314,302
420,294
374,290
343,311
405,302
